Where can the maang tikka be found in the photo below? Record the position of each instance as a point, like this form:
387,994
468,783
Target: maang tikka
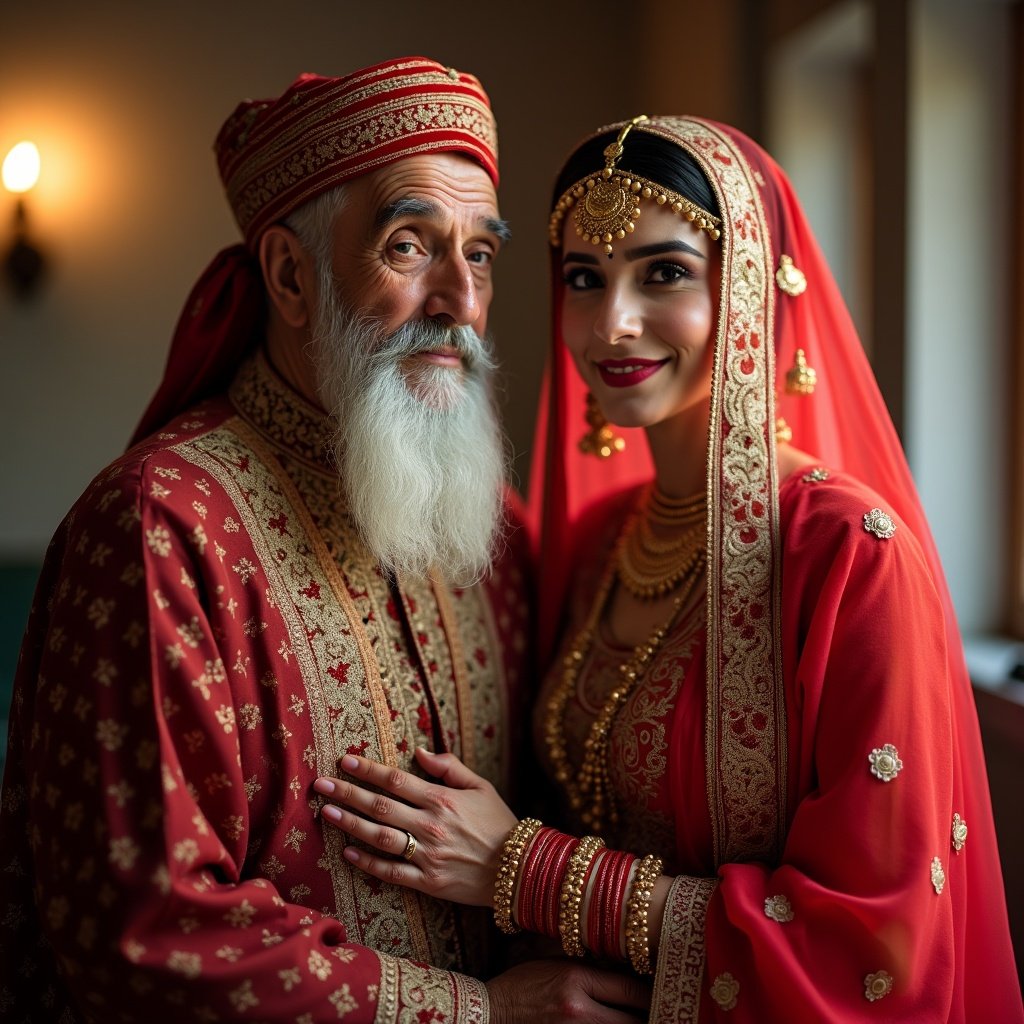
607,204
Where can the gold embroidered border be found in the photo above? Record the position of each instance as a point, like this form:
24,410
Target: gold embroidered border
681,952
411,993
331,637
745,741
450,625
385,746
316,149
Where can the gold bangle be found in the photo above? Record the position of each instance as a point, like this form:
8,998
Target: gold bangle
637,937
508,869
571,895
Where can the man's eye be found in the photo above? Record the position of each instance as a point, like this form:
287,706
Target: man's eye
404,248
482,257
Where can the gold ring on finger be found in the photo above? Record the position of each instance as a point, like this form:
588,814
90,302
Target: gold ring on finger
410,847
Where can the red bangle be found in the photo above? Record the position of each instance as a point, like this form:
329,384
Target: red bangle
613,932
533,862
553,885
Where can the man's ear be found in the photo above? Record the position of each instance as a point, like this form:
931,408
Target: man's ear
287,274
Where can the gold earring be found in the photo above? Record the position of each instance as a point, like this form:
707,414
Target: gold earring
801,379
600,439
783,431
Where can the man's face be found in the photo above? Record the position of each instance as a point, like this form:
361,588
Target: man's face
416,240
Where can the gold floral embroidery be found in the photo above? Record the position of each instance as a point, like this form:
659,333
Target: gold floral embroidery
877,985
816,475
724,991
959,832
885,762
938,876
778,908
745,736
879,523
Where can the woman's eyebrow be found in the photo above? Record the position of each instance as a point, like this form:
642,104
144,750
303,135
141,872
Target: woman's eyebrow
657,248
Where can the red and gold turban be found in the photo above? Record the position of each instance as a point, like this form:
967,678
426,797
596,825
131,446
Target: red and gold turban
276,155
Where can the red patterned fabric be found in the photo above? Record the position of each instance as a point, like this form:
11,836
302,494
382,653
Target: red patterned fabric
209,636
276,155
866,906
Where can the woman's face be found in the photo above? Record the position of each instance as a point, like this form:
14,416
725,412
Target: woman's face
640,326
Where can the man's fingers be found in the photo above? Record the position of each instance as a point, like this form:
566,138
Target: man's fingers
618,990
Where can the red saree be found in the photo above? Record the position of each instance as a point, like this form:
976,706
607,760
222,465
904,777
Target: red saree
821,754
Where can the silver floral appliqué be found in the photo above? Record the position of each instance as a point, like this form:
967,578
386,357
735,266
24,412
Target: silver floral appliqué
879,523
877,985
885,762
959,832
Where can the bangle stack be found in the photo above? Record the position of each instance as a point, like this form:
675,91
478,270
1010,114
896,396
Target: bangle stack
508,870
542,884
637,936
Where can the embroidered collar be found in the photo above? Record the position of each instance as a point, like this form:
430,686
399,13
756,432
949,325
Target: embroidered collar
263,399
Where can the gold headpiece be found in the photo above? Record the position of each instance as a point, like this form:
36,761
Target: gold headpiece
607,204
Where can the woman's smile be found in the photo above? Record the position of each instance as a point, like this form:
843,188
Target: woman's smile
625,373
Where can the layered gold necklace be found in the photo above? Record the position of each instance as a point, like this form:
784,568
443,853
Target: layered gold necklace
649,567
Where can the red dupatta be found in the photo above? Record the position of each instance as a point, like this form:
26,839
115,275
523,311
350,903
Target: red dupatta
845,424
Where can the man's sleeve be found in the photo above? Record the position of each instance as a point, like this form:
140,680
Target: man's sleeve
137,807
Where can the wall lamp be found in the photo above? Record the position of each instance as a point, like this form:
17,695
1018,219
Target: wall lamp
24,263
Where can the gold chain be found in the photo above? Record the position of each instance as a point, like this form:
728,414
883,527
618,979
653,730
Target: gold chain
592,779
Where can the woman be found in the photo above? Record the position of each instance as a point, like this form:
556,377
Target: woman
760,692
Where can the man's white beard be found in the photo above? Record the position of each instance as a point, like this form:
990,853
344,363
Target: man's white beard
421,458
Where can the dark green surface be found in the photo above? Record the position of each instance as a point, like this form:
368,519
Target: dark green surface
17,583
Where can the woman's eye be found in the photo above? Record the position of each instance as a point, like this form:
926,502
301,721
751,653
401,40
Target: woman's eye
582,279
666,273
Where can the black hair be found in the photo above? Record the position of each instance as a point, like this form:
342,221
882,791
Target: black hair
648,155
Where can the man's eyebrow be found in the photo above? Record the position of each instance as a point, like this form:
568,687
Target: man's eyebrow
498,227
407,207
410,206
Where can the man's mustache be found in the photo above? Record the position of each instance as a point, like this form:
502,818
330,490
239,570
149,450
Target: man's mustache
419,336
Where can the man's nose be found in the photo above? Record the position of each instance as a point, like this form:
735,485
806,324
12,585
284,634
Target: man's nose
453,292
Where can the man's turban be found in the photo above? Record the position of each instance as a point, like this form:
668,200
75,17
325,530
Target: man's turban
276,155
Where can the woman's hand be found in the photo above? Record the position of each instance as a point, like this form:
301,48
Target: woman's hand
459,827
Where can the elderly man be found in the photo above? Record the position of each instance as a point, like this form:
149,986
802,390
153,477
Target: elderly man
284,569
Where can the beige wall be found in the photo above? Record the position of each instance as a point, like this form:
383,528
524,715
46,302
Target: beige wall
124,100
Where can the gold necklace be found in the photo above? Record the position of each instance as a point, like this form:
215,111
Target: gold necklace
650,567
592,779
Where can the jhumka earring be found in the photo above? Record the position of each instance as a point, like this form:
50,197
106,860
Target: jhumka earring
801,379
600,439
607,203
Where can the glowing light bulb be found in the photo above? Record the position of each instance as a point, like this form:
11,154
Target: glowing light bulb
21,167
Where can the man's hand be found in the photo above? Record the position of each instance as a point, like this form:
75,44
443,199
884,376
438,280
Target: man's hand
557,991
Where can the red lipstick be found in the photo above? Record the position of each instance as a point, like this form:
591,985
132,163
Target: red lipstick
624,373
